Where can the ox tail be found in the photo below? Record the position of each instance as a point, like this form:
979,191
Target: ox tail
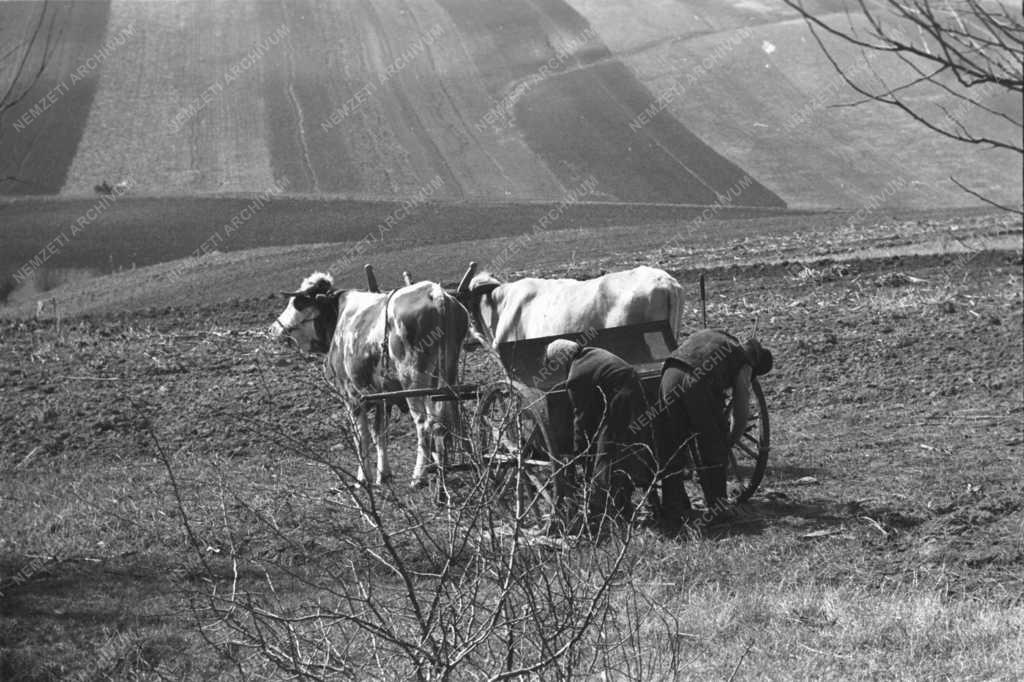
456,325
675,305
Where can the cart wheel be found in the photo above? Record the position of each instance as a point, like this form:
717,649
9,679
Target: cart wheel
497,433
748,458
515,446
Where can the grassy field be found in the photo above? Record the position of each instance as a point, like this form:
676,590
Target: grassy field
887,540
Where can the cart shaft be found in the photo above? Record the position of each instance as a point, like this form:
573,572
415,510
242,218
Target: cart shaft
457,392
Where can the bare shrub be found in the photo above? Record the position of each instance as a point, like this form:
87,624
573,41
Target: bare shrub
968,53
382,583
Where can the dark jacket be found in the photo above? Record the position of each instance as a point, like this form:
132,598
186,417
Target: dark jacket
712,356
606,396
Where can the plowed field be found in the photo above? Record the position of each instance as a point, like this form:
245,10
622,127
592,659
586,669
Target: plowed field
891,513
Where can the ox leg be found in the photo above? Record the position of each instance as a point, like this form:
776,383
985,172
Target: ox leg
363,443
436,432
421,419
438,438
380,442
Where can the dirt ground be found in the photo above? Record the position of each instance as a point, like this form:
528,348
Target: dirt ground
897,433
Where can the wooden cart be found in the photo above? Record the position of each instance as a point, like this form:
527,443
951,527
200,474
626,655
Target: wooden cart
521,431
526,421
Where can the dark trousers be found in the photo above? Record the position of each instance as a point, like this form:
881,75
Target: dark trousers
618,469
622,459
693,413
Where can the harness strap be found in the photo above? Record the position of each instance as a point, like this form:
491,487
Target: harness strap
385,348
441,354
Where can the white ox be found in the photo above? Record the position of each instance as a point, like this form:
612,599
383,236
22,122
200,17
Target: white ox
532,307
423,329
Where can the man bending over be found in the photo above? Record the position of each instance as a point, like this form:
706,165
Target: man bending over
693,384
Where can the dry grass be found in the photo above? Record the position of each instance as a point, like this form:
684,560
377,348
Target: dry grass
801,628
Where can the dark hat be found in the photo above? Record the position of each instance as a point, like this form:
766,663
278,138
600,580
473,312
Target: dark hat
760,358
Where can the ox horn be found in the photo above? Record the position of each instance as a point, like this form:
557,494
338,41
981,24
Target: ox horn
371,279
289,294
406,277
470,271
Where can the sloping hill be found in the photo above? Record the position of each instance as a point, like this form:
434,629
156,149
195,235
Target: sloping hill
494,99
749,80
138,126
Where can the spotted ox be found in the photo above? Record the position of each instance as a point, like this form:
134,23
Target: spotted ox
405,339
532,307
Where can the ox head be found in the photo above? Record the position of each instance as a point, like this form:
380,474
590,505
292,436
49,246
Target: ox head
473,285
472,288
311,314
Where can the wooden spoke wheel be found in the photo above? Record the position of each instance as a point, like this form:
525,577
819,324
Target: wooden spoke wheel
515,447
749,457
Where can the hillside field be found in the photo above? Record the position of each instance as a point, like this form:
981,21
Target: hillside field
500,100
887,539
40,153
287,239
751,82
177,495
134,231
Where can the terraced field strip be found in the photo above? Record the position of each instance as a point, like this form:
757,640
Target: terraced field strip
768,103
179,109
377,99
578,110
39,137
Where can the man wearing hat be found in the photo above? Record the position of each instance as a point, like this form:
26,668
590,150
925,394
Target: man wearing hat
607,399
692,413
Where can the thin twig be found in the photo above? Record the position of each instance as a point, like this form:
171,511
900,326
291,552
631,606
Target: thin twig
736,668
974,194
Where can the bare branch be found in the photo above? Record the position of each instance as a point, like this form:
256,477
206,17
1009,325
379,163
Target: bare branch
988,201
965,50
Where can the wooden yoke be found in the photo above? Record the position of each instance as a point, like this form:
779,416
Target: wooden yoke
371,279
